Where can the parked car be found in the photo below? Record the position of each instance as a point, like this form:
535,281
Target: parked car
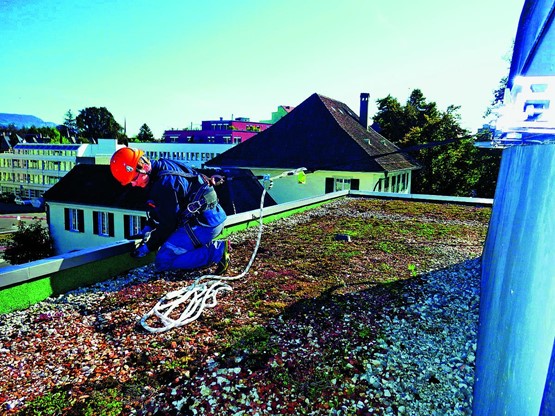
35,202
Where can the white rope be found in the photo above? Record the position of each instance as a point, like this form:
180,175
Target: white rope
203,295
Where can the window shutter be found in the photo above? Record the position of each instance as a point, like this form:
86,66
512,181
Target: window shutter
329,185
111,224
81,220
126,226
66,219
355,184
95,222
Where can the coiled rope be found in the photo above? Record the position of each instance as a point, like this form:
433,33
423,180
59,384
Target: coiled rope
202,293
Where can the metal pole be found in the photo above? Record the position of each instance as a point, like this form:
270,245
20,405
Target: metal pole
517,302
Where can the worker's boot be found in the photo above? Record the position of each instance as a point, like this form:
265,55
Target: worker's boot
223,264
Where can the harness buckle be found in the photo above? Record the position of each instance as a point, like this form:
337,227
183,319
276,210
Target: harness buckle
194,207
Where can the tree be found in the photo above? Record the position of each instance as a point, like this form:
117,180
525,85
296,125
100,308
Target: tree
69,128
490,159
449,169
145,134
98,122
28,243
488,162
45,134
498,94
492,112
54,134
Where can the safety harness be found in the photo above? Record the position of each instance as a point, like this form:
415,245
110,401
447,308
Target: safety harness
201,196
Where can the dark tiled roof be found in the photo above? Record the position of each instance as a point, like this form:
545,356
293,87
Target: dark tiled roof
5,144
319,134
94,185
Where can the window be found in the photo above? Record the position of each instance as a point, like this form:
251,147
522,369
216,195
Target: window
133,224
103,223
74,220
341,184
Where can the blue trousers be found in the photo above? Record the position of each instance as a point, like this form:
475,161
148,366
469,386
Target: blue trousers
179,251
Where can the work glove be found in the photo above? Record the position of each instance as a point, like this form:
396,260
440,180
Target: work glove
140,251
216,180
145,232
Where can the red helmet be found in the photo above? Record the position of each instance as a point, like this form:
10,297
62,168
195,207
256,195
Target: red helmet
124,164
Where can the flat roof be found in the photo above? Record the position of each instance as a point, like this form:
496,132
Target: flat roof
343,303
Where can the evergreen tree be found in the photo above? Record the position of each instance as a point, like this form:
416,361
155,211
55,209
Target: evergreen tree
145,134
69,128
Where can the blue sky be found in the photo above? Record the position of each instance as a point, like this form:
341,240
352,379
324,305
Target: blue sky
172,63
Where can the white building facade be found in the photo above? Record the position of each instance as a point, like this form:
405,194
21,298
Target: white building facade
75,226
294,187
30,169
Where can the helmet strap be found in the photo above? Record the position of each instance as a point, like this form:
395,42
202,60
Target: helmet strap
144,164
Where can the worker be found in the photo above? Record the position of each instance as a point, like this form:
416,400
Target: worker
183,213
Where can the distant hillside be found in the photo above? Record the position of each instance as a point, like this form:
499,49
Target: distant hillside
23,120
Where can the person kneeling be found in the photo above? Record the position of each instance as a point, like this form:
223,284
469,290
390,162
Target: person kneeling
184,216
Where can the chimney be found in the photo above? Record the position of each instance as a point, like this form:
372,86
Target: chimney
364,96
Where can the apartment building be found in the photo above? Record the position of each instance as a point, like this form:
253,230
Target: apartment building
29,169
194,154
225,132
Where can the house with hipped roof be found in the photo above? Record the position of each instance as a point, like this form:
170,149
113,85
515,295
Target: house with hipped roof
335,146
89,208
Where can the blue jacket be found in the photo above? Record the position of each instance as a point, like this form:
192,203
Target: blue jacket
168,195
